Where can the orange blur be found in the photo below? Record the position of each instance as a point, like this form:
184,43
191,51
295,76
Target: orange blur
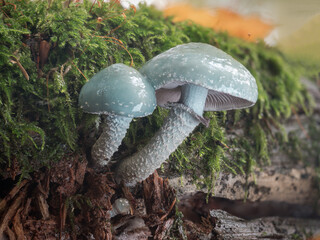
248,28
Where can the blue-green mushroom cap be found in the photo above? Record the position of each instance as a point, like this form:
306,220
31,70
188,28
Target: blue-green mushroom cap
229,83
118,90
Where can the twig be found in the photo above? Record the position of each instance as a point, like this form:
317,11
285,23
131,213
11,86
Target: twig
92,5
171,207
16,61
223,144
63,216
131,63
79,71
43,206
17,226
14,6
10,234
12,194
26,208
11,212
67,70
120,25
118,40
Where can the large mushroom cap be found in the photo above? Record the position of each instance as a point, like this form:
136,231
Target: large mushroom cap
119,90
230,84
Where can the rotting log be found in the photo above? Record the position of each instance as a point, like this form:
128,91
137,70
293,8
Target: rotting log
198,205
246,220
292,185
295,185
234,228
280,198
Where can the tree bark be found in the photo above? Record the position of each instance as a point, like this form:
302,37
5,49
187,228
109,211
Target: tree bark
233,228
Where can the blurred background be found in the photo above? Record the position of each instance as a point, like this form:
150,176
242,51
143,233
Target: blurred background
291,25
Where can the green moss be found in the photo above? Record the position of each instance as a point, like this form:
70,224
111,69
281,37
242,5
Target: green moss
40,119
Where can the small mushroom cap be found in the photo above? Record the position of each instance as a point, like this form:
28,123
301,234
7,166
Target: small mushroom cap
230,84
118,90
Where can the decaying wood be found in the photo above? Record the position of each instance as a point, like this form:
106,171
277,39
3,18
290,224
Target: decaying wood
12,194
26,209
169,210
17,226
7,216
198,205
43,206
229,227
97,217
203,219
68,174
195,231
63,216
133,202
41,229
152,216
163,230
10,234
159,198
131,227
296,185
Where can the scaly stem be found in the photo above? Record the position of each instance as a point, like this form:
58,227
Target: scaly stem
110,139
179,124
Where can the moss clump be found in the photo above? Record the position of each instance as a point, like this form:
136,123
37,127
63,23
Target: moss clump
40,120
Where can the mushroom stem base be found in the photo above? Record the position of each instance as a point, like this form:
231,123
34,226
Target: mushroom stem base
175,129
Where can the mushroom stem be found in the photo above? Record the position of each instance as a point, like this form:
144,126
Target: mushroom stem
194,97
178,125
110,139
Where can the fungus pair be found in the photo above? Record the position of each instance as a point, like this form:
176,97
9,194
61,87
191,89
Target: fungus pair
188,79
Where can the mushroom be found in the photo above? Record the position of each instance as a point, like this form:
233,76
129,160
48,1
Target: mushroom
120,206
189,78
121,93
